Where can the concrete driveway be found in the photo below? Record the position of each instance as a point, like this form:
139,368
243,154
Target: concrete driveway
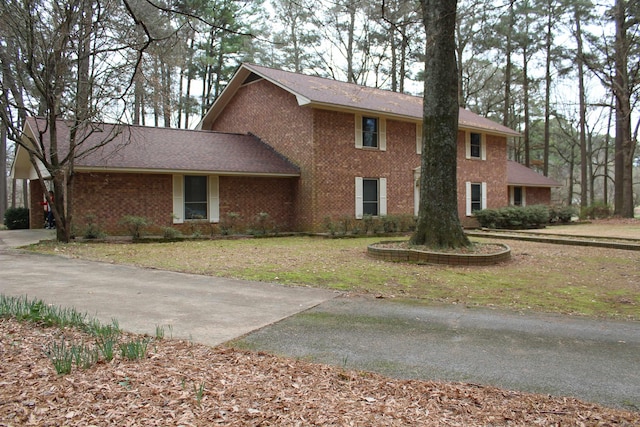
208,310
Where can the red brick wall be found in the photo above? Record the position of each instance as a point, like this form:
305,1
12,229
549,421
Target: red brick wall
110,196
275,117
537,196
338,163
493,171
250,196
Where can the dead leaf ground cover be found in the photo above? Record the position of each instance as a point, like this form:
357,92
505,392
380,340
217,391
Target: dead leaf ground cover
184,384
544,277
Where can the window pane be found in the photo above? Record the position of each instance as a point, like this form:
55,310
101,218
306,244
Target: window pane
369,132
195,197
370,197
475,145
476,197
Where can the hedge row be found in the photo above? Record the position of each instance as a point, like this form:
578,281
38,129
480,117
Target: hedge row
521,218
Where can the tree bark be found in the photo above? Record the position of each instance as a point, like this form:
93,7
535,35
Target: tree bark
438,223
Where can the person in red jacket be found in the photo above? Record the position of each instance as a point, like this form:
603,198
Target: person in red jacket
50,221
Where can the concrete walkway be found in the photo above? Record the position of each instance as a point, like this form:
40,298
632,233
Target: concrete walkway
208,310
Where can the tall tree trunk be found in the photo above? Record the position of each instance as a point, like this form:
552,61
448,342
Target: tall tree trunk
584,180
351,78
547,89
508,66
622,91
3,170
525,90
438,223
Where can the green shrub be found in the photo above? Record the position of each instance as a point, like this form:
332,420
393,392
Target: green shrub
16,218
92,230
170,233
490,218
514,217
135,225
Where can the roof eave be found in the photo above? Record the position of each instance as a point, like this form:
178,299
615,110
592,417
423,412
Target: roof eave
185,171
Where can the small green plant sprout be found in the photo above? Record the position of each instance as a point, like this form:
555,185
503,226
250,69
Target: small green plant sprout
61,356
84,356
134,350
135,225
199,390
159,332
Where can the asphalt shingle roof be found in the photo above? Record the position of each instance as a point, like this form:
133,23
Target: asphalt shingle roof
518,174
166,149
332,93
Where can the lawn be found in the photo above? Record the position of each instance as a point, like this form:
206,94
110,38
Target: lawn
541,277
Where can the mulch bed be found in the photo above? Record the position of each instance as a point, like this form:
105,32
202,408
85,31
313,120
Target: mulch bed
185,384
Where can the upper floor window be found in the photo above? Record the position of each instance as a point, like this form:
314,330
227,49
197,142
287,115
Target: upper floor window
371,132
476,146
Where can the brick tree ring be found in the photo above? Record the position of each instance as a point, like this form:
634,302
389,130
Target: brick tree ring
400,251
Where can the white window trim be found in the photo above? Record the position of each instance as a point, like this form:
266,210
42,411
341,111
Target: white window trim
382,133
382,197
483,146
468,196
419,138
213,196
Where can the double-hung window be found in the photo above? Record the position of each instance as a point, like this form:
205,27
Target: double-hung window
371,132
195,197
476,197
476,146
371,196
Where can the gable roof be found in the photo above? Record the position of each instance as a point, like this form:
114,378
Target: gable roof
521,175
164,150
326,93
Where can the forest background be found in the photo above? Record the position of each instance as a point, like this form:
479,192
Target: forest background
565,74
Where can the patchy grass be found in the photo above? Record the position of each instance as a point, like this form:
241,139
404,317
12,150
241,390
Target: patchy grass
542,277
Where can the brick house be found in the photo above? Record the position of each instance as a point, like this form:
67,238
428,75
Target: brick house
297,147
359,148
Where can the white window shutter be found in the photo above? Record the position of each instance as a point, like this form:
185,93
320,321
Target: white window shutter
214,198
358,130
419,138
382,183
382,134
524,196
359,198
467,145
483,147
178,199
468,185
484,195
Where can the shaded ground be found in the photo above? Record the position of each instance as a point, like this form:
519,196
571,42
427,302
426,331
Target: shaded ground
185,384
558,355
